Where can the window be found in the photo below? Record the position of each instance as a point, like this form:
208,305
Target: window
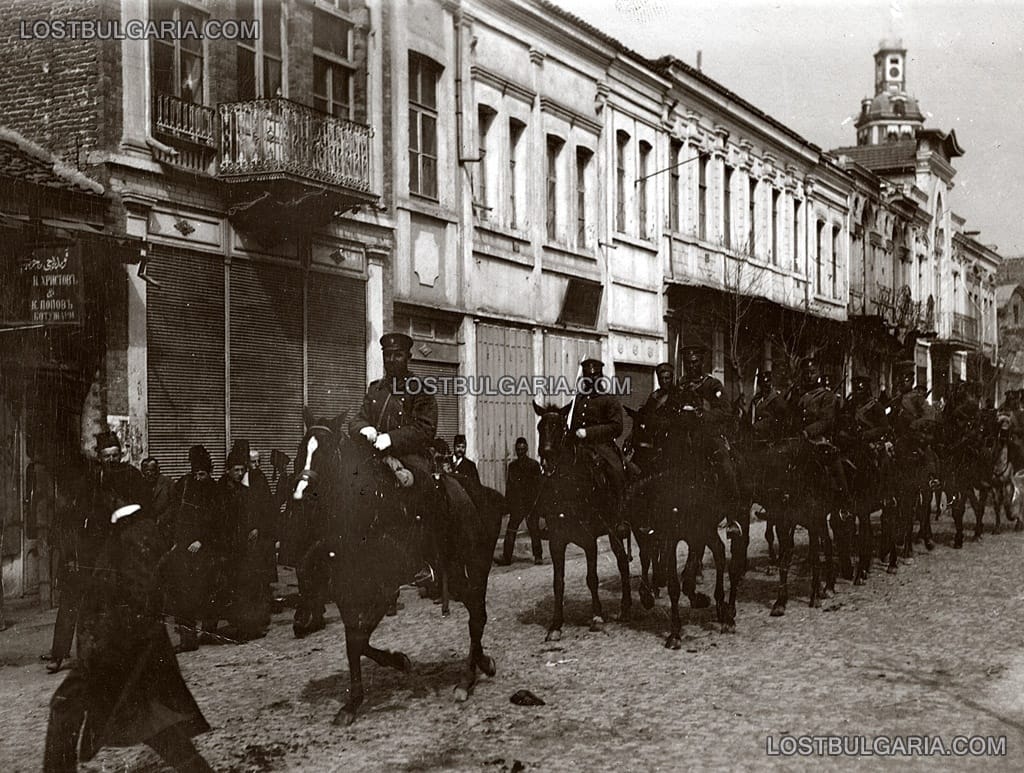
484,121
178,63
796,235
1016,314
835,262
583,157
333,66
423,77
675,151
642,213
259,59
702,197
727,206
776,231
751,216
554,152
515,134
621,145
820,228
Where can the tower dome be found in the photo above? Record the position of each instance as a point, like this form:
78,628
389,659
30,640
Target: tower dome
892,114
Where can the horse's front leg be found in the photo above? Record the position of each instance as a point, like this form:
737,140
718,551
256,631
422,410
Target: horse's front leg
622,559
596,612
813,540
557,549
785,535
476,604
674,641
718,553
356,641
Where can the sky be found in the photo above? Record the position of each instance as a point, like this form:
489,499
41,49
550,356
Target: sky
808,63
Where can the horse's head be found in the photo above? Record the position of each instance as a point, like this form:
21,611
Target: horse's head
318,447
553,429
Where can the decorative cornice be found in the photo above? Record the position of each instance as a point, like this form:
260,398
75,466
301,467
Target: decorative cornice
452,6
537,56
550,106
502,84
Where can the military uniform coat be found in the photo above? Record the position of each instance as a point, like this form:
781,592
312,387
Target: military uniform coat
601,416
409,417
818,409
711,393
768,411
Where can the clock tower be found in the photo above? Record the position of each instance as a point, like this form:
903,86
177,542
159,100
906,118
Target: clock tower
892,115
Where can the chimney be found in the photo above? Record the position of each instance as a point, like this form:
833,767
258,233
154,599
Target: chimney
700,57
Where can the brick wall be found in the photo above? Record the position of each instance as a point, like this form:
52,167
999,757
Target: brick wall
52,90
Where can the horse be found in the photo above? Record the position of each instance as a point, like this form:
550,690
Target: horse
997,474
682,502
573,501
966,466
792,482
916,477
368,551
870,475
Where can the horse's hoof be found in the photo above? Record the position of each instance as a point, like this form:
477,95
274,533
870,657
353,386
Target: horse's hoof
778,610
461,694
814,603
486,665
700,601
728,627
958,541
673,642
859,579
928,544
344,718
446,613
392,610
554,635
625,613
596,624
828,593
890,569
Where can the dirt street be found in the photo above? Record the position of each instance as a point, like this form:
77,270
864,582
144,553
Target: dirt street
935,650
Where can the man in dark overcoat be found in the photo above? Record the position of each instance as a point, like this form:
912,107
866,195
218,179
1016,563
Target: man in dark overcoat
522,483
199,549
125,687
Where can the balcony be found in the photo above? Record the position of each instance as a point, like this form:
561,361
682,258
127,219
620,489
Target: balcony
277,139
963,328
176,119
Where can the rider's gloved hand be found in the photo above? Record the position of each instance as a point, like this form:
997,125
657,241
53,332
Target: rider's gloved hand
383,442
370,433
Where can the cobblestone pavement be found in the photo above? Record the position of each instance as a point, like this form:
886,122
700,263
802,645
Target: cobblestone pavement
934,650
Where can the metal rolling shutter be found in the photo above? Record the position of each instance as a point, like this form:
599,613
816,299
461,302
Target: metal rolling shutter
562,357
185,360
266,357
336,344
502,351
447,404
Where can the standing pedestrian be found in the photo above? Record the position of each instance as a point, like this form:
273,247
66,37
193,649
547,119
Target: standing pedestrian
198,549
160,493
462,464
522,483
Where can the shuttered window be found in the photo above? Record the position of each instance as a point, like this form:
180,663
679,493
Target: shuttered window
266,357
336,348
447,401
185,359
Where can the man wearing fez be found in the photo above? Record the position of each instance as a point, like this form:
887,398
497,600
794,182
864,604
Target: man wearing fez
521,486
461,464
125,687
199,547
399,419
718,420
597,422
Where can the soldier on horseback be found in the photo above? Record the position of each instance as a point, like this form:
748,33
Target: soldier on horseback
817,411
768,410
399,419
596,422
717,418
864,415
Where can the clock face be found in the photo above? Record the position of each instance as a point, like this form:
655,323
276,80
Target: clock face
894,72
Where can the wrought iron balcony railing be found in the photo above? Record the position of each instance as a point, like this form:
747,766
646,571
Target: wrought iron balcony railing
268,139
173,117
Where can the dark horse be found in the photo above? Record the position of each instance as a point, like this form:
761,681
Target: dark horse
367,553
574,502
682,503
